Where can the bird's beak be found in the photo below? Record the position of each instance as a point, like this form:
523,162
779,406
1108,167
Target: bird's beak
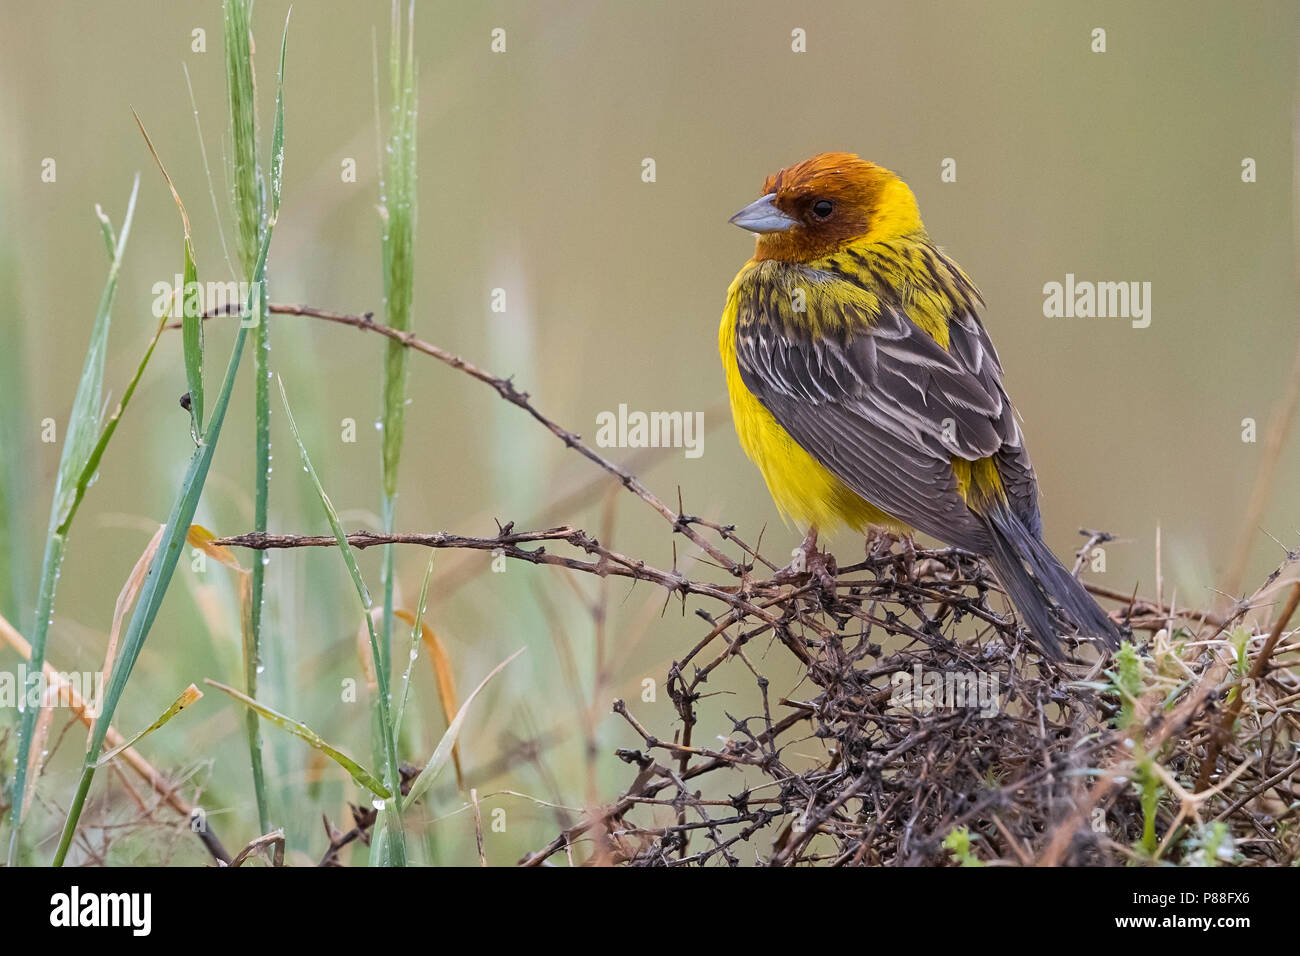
762,216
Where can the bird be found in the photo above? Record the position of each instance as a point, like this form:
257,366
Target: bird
866,389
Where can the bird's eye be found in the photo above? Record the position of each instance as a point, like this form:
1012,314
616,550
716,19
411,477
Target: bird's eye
822,208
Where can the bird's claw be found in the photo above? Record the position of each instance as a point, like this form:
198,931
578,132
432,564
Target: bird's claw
809,562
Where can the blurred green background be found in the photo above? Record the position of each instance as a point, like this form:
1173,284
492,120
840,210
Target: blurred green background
1118,166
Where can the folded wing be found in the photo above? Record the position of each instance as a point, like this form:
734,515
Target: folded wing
884,406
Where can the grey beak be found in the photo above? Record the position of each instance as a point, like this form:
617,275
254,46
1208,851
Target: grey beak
762,216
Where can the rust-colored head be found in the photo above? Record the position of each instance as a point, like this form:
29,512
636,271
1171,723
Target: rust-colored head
816,207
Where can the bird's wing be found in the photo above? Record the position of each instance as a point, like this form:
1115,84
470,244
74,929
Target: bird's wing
969,344
882,405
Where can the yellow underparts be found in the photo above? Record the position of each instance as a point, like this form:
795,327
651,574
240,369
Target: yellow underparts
803,489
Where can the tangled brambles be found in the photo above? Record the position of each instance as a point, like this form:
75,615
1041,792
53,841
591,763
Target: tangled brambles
918,728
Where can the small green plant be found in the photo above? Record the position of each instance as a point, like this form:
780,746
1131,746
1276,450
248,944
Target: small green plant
1150,792
1126,682
958,843
1239,641
1130,680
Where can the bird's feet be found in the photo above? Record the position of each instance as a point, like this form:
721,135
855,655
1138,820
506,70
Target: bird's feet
881,541
808,561
880,544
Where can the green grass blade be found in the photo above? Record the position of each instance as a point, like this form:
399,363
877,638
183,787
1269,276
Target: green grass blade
83,424
330,512
277,132
192,336
79,448
255,224
191,309
244,176
397,207
395,844
442,753
398,213
91,465
187,697
106,229
416,633
300,730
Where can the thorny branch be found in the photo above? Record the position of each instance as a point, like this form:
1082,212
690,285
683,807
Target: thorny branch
842,770
505,387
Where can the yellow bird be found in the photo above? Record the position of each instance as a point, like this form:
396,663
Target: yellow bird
867,391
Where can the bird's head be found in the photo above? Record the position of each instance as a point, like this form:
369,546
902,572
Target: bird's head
816,207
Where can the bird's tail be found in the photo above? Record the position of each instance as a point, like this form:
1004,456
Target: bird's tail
1033,578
